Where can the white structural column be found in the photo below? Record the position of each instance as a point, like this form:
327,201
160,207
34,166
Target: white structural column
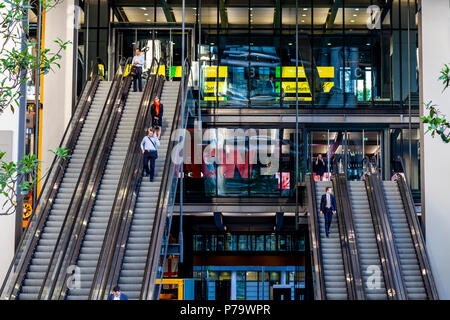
436,154
9,124
57,98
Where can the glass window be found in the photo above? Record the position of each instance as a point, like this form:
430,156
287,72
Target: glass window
252,276
271,242
244,242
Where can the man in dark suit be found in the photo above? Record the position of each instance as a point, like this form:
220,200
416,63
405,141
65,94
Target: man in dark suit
328,208
117,295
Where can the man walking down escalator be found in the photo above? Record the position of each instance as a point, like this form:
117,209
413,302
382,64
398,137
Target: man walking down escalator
138,63
149,147
328,208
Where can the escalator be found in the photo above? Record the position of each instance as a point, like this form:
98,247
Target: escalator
39,264
132,272
372,271
98,221
332,278
408,239
376,242
41,253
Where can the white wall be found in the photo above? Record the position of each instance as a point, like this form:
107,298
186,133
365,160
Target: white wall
57,103
436,155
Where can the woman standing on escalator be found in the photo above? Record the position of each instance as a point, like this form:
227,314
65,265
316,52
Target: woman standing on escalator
157,114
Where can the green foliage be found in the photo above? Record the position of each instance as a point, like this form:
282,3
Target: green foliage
23,174
438,124
17,63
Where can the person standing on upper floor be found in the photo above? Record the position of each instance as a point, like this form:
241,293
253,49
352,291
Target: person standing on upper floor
319,167
156,111
328,208
149,148
138,63
270,87
117,294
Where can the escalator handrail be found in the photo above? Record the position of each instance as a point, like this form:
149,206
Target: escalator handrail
74,239
350,254
418,239
112,234
58,255
152,262
133,182
393,279
314,230
72,132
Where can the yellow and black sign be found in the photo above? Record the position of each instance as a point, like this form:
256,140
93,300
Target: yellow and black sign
215,85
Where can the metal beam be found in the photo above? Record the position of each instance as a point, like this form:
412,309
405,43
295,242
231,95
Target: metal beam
223,14
277,14
167,11
218,219
278,221
332,14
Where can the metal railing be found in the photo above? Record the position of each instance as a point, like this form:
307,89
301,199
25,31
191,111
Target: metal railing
350,254
417,238
314,230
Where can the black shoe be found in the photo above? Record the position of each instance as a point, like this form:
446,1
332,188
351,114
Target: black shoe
151,179
328,235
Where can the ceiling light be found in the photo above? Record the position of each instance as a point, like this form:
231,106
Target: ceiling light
367,44
329,43
290,43
355,15
145,14
303,20
144,8
148,20
357,9
352,20
305,9
303,15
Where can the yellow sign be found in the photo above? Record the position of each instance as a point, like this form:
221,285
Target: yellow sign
162,70
327,86
289,72
211,72
290,87
211,86
326,72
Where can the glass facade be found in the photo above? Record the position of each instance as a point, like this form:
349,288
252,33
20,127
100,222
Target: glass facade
238,162
275,242
249,282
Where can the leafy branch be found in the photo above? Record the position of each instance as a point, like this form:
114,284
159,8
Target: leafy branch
22,176
17,63
436,120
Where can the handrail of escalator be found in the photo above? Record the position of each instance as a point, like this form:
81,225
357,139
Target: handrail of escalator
83,183
19,264
390,261
417,238
133,180
119,215
350,254
314,230
162,222
73,239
